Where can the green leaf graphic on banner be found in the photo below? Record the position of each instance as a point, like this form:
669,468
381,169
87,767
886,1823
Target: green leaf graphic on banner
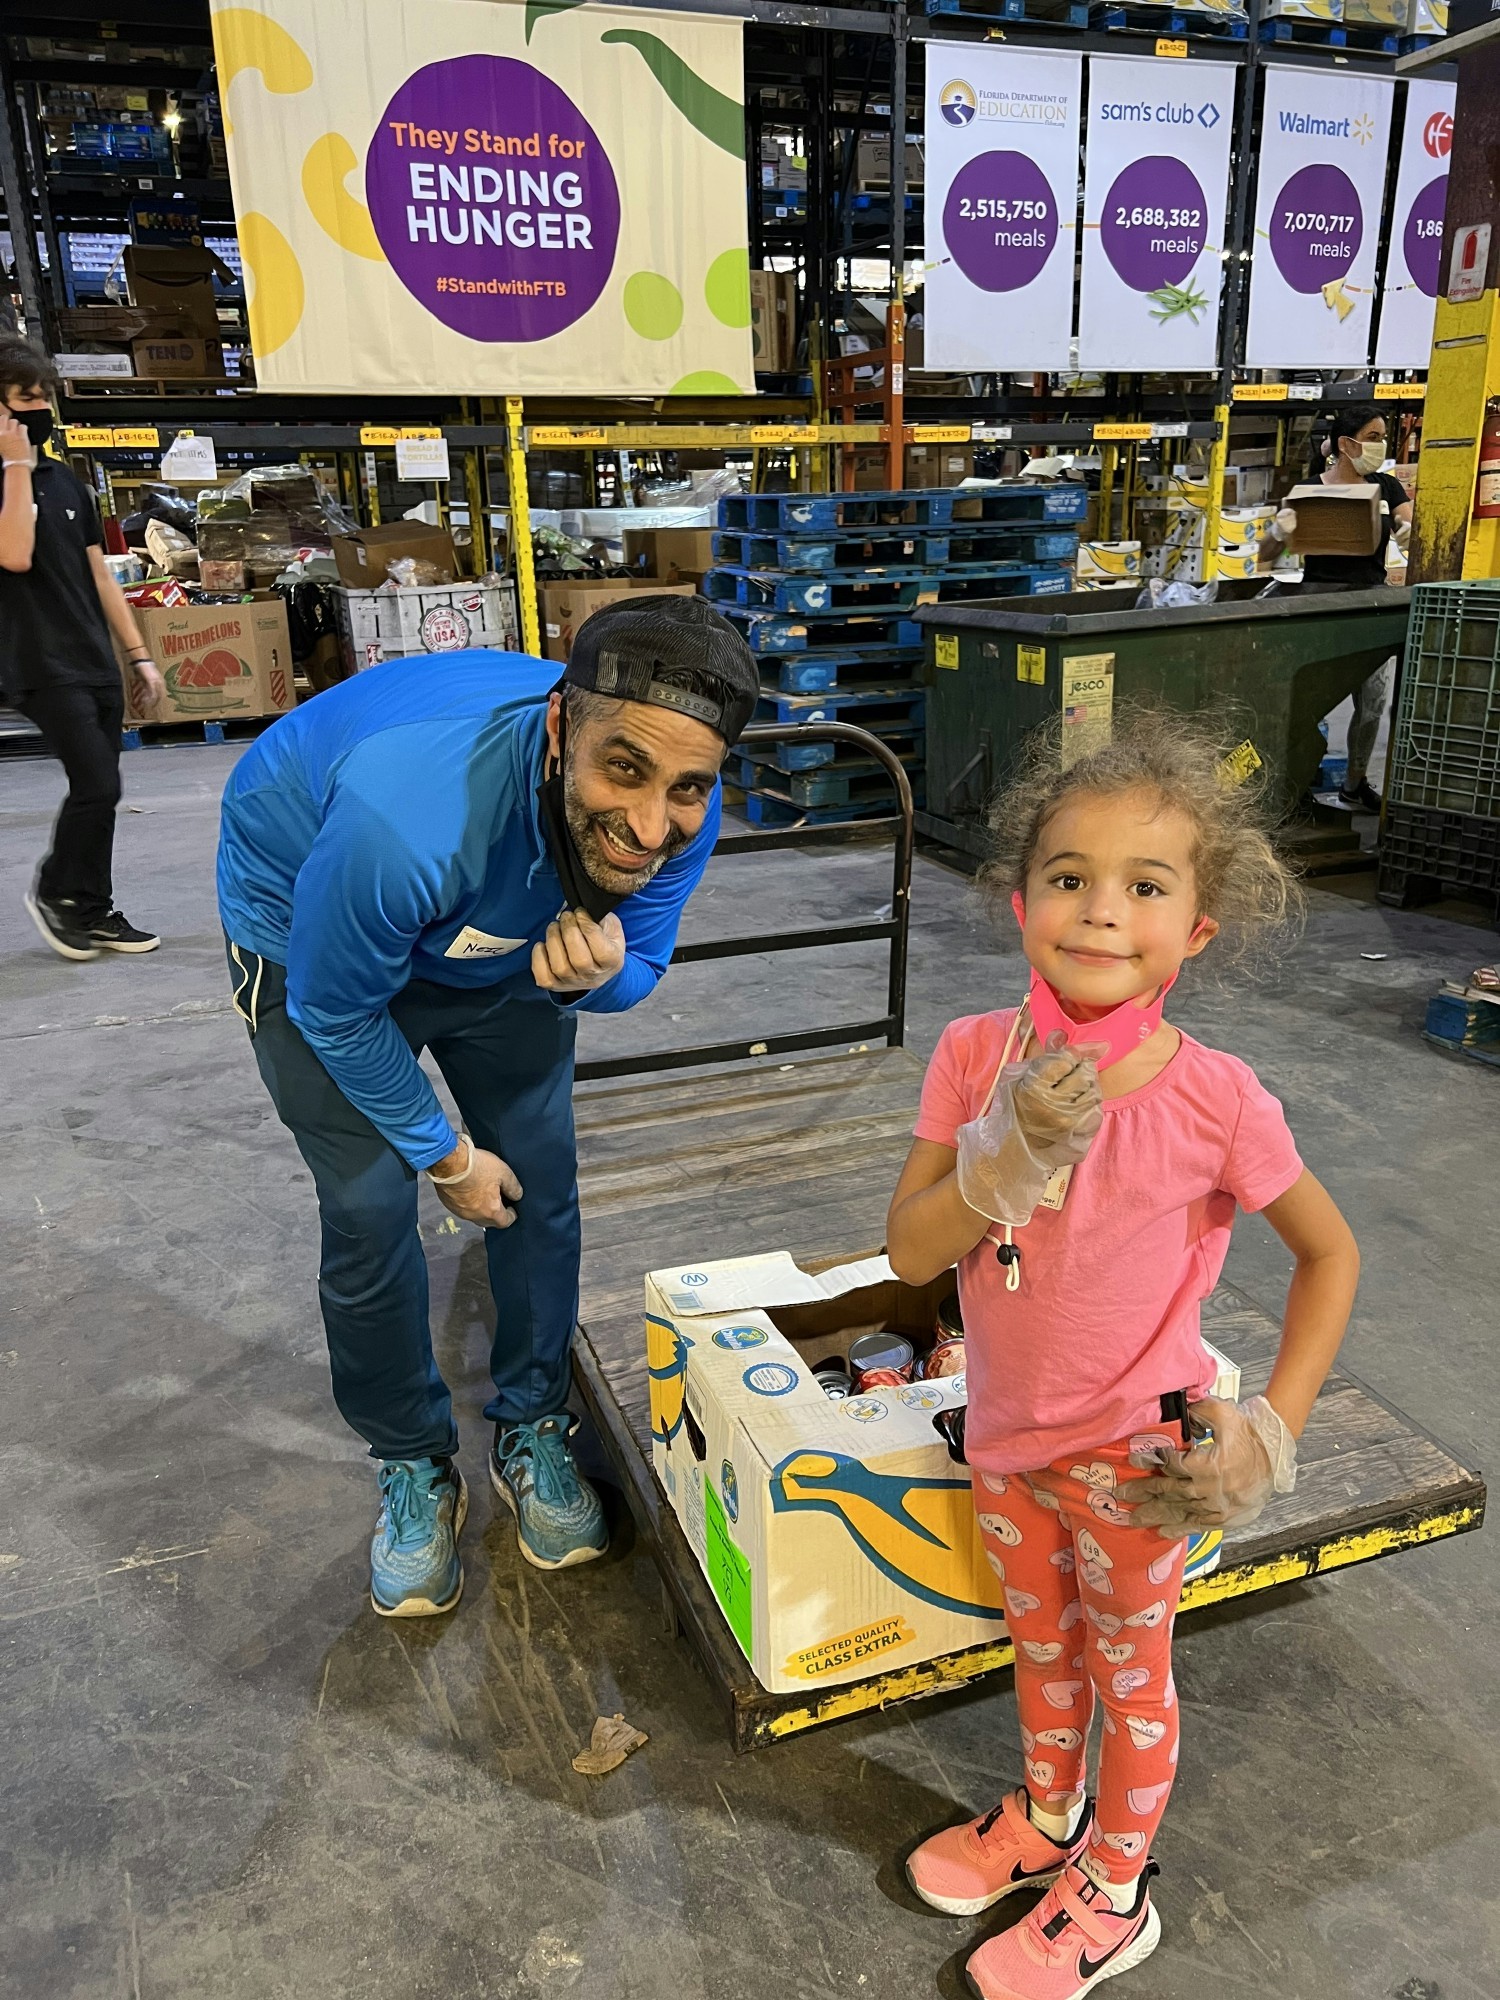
535,9
717,117
706,382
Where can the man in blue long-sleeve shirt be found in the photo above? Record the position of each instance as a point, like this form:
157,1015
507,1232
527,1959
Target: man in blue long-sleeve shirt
458,855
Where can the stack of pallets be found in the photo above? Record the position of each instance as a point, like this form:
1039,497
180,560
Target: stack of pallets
824,585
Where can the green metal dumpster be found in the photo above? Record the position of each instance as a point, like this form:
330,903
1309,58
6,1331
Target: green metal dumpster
1269,667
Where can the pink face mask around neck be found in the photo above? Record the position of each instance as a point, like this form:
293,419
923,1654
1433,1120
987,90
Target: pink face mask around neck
1120,1032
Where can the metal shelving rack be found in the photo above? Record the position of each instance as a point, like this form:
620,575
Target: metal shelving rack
876,51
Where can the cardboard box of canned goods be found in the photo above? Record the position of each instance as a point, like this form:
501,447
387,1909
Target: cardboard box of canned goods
838,1537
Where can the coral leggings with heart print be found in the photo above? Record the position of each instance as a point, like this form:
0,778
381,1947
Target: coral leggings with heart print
1090,1600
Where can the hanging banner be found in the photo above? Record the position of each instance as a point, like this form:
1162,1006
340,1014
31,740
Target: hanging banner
1320,193
1155,187
1408,303
1002,206
495,198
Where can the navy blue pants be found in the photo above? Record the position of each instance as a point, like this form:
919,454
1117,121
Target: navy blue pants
509,1063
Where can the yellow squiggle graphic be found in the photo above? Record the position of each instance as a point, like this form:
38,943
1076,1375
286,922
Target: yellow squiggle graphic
244,38
279,292
329,163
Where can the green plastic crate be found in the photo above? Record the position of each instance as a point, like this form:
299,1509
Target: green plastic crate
1445,751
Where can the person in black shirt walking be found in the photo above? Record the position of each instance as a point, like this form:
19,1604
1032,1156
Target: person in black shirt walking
58,607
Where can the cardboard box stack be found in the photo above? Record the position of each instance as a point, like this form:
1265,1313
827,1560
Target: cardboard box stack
218,660
669,555
773,321
1172,524
564,606
1107,562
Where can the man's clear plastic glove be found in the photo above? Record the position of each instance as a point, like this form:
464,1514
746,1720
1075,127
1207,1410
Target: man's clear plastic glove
1284,526
1043,1116
1223,1482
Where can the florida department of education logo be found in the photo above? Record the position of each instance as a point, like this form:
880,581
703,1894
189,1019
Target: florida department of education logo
958,102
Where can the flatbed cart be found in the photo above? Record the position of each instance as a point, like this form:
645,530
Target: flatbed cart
802,1156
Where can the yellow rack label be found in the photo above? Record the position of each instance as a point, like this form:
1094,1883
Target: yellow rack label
868,1642
1400,392
542,434
1031,665
378,434
419,431
1242,762
940,433
945,649
140,437
1167,45
783,434
1260,392
1112,433
85,437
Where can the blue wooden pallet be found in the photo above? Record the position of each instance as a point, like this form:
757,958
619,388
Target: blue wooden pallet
830,785
139,735
1042,13
791,513
1018,503
843,548
1412,45
875,635
816,673
874,590
764,809
1332,35
893,703
1171,22
790,755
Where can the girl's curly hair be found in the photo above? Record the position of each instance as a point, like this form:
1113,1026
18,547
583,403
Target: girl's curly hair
1239,878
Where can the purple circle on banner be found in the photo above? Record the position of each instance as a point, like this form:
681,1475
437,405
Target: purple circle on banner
1154,223
493,199
1000,221
1316,228
1422,245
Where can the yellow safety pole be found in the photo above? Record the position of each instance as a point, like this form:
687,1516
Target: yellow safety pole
520,529
1108,455
479,511
1218,458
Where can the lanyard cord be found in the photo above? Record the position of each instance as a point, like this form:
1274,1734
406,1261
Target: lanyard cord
1006,1250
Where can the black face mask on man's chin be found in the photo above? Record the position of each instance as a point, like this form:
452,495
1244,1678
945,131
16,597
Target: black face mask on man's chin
580,890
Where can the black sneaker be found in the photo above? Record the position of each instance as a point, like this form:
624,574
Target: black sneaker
112,933
59,925
1364,797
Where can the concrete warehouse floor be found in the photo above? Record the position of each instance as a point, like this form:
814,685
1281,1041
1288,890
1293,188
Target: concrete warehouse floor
223,1776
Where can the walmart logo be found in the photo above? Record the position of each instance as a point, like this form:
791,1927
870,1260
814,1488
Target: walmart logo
1364,128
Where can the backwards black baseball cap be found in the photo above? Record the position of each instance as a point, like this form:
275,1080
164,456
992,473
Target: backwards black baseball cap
644,647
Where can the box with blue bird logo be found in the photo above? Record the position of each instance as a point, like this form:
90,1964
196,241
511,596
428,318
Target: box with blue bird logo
837,1535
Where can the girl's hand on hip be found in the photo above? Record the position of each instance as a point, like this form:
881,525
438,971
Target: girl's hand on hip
1223,1482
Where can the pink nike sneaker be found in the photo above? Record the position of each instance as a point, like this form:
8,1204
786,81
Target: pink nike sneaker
1072,1941
966,1868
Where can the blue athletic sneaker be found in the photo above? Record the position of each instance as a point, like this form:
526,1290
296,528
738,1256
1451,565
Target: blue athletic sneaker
414,1567
558,1517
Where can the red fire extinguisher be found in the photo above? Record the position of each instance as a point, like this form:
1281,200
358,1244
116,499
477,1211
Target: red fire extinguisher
1487,492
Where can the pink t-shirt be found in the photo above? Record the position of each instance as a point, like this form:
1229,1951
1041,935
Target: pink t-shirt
1106,1319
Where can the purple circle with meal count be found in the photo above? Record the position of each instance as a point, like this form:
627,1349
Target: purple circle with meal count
1422,243
1154,223
1316,228
493,199
1000,221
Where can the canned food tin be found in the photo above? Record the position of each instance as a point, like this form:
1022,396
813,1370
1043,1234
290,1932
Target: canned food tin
950,1320
833,1379
947,1358
885,1355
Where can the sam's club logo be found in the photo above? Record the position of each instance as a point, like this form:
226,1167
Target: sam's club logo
957,102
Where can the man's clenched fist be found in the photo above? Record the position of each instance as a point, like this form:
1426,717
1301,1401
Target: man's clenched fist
577,954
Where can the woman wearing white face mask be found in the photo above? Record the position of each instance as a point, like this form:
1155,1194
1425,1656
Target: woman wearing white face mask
1348,448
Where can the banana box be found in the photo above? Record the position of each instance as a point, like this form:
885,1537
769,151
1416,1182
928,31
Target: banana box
1304,10
1244,527
1376,13
1428,17
1107,562
837,1536
1186,565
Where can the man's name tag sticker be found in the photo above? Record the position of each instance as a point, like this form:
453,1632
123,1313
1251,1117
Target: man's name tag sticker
479,944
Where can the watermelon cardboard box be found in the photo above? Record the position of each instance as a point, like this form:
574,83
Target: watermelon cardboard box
838,1537
219,660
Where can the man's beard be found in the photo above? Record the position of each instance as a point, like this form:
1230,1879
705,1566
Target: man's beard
584,826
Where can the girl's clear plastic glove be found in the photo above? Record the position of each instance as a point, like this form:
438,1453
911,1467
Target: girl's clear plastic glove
1043,1115
1225,1481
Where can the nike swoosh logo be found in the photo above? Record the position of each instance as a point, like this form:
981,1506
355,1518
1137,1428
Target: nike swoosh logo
1020,1874
1087,1966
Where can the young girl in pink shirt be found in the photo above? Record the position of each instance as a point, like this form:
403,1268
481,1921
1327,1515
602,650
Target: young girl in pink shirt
1081,1161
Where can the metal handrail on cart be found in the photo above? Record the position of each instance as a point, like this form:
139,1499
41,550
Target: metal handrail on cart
891,1027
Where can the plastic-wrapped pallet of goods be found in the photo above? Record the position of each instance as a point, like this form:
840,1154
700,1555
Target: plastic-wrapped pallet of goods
376,625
